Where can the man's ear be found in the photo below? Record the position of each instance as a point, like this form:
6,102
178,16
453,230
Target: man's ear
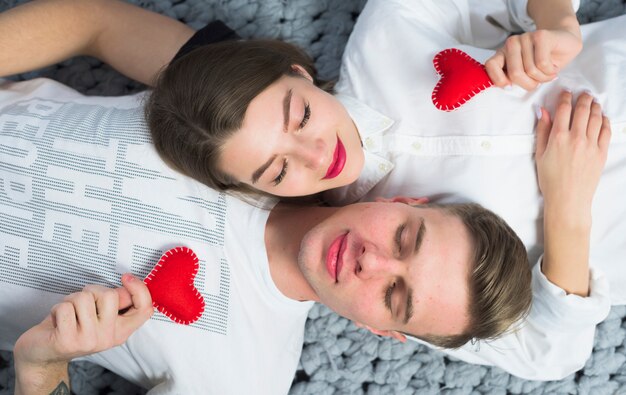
393,334
403,199
301,71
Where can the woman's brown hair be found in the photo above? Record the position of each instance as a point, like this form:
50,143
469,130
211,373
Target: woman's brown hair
200,100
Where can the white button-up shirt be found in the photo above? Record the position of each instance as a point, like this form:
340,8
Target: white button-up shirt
483,152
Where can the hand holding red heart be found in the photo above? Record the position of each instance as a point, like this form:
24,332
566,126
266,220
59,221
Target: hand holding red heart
532,58
85,322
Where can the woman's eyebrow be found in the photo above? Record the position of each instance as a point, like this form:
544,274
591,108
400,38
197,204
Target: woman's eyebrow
286,109
259,172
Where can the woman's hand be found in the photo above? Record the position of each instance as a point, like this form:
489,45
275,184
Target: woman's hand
84,323
571,154
532,58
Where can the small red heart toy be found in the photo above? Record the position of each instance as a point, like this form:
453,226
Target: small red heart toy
171,286
462,77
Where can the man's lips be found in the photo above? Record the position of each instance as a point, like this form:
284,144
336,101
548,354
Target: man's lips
338,162
334,257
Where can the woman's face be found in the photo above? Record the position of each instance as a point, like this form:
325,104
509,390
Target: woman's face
295,140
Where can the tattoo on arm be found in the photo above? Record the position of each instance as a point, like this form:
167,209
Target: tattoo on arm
61,389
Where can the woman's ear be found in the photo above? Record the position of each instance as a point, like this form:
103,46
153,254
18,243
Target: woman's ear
301,71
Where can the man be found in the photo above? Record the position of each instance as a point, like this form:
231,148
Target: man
86,199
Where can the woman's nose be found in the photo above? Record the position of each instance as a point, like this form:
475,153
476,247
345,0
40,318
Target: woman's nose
312,153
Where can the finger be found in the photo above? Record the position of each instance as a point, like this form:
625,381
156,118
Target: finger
63,318
528,59
562,115
515,65
86,314
124,298
139,293
595,122
107,303
543,131
140,311
605,134
495,69
582,110
543,54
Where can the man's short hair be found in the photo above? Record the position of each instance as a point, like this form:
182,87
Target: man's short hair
500,291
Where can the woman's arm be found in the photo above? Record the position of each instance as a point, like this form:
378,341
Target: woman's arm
570,157
136,42
84,323
532,58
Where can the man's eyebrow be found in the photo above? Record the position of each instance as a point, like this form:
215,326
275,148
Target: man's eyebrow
259,172
408,311
286,109
420,237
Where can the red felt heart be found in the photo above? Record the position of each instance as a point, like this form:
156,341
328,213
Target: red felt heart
171,286
462,77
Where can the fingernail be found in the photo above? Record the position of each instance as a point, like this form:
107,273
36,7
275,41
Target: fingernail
128,277
568,90
555,78
538,111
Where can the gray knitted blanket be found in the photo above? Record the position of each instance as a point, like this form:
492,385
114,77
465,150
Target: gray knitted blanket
339,358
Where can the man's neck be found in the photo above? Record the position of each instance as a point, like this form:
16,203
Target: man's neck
285,228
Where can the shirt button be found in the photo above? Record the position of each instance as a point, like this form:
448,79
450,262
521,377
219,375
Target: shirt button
486,145
624,130
383,167
369,143
416,146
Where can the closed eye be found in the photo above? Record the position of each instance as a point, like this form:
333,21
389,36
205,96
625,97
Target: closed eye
398,237
306,116
283,172
388,293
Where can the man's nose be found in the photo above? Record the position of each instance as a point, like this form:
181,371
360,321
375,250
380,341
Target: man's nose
372,263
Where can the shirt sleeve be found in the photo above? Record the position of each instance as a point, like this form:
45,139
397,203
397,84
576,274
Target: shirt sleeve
479,23
213,32
519,17
556,338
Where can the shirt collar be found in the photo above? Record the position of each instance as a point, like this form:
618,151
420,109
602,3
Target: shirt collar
372,126
370,123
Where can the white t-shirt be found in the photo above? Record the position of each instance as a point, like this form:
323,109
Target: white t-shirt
483,152
84,198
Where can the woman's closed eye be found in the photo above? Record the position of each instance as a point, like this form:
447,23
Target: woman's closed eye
281,175
306,116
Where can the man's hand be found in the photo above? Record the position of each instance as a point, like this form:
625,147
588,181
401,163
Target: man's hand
532,58
84,323
571,154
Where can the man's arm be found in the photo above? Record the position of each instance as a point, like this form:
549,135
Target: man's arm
84,323
136,42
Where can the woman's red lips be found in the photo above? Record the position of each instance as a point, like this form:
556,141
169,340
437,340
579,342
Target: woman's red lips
334,260
338,162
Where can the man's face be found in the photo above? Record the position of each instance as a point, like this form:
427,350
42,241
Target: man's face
392,267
